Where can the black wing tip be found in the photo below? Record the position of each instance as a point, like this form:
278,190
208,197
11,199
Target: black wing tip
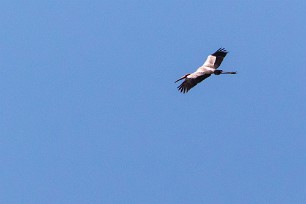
222,49
221,52
183,89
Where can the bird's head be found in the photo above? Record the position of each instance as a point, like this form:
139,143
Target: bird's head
183,77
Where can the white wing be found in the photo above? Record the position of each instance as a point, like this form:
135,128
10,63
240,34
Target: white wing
191,81
214,60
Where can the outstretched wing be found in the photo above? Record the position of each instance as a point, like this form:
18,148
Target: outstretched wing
214,60
191,82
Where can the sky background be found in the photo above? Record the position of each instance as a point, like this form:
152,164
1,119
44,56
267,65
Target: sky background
90,113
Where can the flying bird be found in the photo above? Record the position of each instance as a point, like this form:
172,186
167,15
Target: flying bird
209,67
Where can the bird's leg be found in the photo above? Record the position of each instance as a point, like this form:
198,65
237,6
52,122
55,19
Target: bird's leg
183,77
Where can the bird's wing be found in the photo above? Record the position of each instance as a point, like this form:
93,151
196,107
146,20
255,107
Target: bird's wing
191,81
214,60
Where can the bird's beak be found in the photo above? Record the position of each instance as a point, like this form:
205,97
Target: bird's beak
228,72
180,79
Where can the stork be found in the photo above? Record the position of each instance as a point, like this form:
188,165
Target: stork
209,67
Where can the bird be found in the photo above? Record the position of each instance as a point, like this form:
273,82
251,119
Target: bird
209,67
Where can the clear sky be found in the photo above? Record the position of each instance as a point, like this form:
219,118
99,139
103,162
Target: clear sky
90,112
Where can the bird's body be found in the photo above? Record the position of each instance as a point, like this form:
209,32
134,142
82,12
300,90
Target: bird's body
209,67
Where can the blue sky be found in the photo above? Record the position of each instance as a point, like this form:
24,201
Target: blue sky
90,112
